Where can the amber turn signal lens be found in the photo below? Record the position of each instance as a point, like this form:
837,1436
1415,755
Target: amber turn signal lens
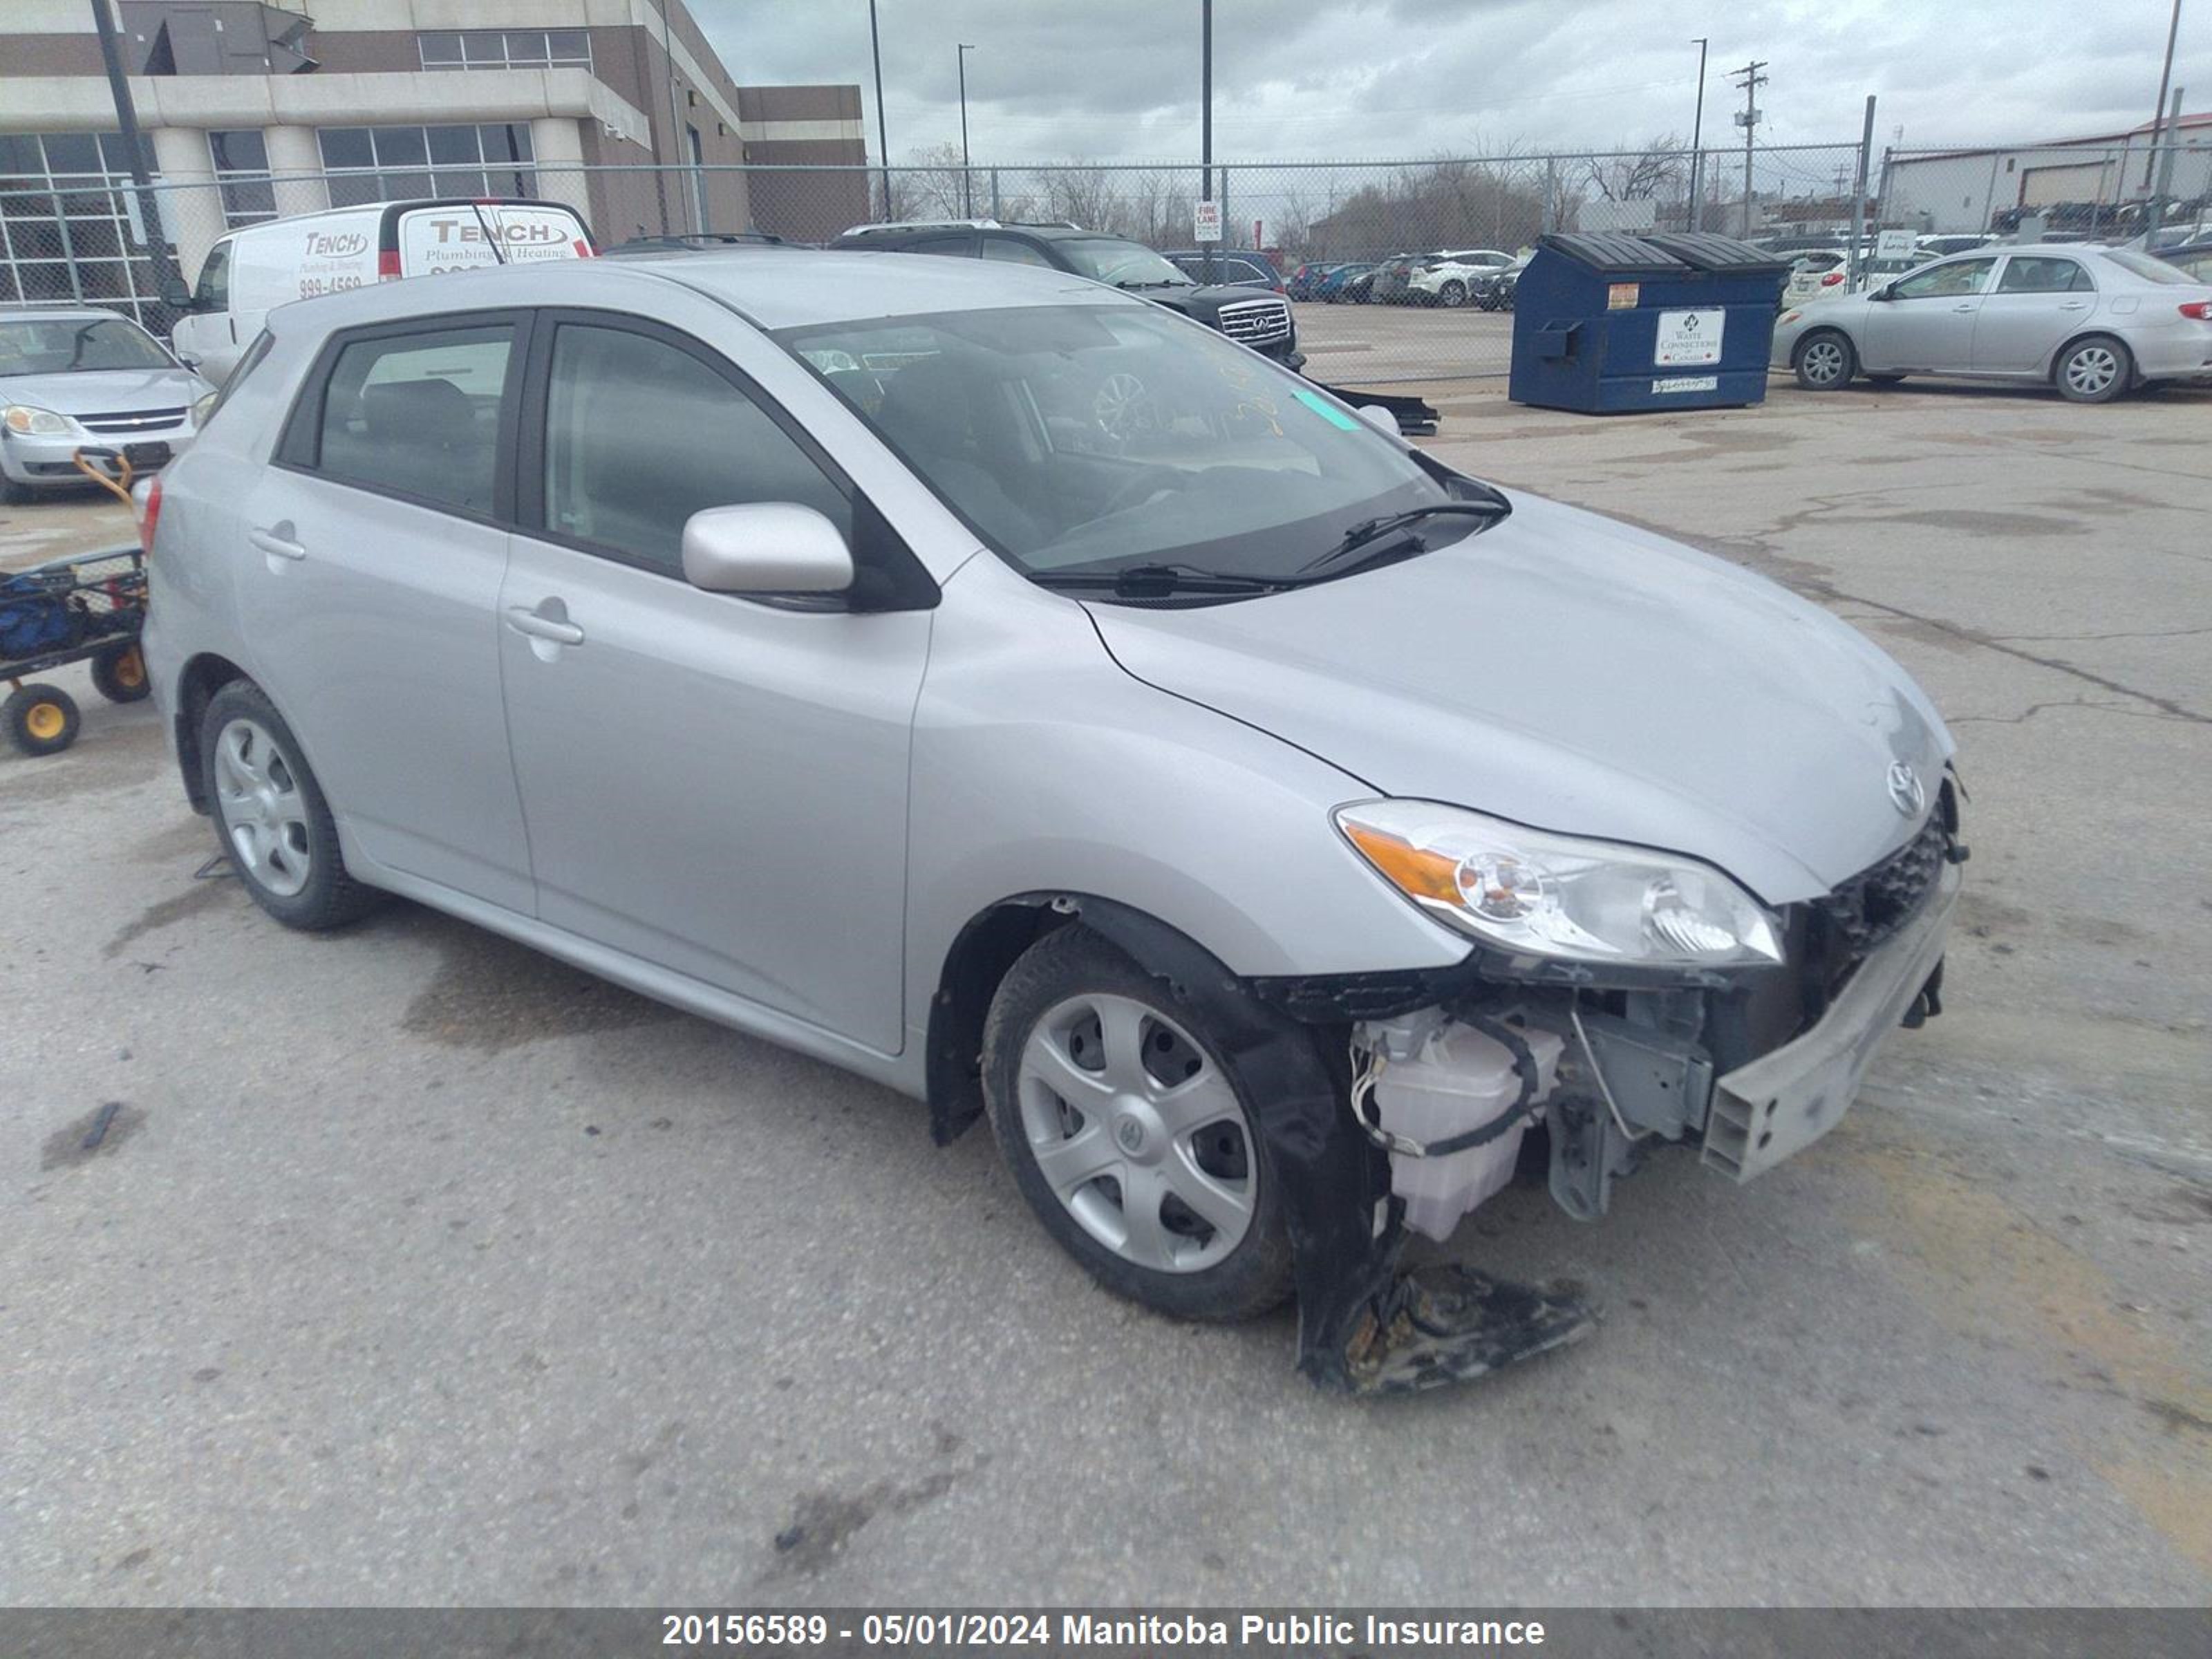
1418,874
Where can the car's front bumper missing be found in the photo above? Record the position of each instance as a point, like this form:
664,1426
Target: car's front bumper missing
1775,1106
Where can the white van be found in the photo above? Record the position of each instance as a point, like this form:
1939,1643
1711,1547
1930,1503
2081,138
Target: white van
256,268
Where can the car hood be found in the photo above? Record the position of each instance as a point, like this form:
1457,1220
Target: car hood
1575,674
106,391
1204,300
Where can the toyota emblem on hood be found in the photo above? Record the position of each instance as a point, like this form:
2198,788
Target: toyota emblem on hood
1905,793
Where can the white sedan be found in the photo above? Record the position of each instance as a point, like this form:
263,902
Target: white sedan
2094,322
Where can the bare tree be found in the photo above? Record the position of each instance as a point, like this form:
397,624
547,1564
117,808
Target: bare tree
1661,167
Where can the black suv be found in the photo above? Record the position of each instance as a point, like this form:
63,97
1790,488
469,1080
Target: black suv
1260,320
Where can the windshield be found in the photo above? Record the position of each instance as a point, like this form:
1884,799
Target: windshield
2150,269
1124,264
58,345
1095,438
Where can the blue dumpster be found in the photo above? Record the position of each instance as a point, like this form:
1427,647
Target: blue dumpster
1604,322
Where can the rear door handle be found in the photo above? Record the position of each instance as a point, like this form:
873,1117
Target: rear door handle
2075,304
1965,307
524,620
276,546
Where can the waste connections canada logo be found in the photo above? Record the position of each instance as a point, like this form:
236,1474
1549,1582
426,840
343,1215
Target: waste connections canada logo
1274,1632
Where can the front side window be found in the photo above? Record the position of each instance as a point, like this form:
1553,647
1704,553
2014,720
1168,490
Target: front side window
2025,275
640,434
418,414
212,292
1093,438
1956,279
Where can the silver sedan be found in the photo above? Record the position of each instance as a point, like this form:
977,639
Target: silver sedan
77,379
2092,321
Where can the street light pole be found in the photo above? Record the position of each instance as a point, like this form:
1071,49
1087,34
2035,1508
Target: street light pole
967,179
883,131
1696,144
126,123
2158,110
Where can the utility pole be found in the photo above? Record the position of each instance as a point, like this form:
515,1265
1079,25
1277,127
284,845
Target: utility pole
2164,186
126,123
883,131
1858,201
1206,118
1696,144
967,179
2165,79
1748,119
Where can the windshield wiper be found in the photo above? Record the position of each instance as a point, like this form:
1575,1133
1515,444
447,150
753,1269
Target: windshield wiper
1146,581
1162,281
1362,534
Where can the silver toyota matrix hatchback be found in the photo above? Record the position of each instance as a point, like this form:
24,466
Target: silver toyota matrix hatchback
992,684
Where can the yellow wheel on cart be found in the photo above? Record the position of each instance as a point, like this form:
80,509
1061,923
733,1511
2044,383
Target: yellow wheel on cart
119,673
39,720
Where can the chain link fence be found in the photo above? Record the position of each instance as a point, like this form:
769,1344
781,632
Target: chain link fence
1399,271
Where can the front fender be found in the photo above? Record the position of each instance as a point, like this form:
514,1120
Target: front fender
1040,766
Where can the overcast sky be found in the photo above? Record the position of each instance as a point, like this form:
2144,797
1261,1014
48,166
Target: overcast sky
1111,80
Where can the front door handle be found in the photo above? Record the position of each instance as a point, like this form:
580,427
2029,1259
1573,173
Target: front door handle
1962,307
523,620
275,545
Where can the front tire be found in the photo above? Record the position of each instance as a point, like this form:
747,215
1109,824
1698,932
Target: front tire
270,816
2093,371
1824,360
1452,294
1127,1136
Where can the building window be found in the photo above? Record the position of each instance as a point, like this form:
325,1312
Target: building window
496,49
241,168
385,164
70,225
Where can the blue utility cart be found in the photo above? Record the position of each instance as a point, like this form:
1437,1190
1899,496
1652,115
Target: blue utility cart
1609,323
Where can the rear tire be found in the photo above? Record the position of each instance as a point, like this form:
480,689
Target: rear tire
1825,360
39,719
2093,371
119,673
270,816
1160,1182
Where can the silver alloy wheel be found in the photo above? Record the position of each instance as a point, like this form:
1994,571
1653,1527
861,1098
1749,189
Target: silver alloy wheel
2091,369
1822,362
264,812
1138,1132
1453,294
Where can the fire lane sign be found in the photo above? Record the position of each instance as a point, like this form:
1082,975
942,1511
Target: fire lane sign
1206,221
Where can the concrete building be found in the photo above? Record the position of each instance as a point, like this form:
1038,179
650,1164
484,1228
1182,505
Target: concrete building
253,110
1970,190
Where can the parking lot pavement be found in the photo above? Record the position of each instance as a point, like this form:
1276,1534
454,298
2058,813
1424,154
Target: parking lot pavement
1371,344
416,1267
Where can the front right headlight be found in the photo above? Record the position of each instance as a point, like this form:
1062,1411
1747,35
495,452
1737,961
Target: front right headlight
1531,892
36,422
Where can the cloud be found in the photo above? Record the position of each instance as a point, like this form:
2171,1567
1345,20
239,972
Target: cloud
1344,79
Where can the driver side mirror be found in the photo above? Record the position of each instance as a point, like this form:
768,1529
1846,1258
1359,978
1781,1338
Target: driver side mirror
765,547
175,294
1887,291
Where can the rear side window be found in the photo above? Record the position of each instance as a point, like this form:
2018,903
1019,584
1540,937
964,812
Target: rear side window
417,414
640,434
2024,275
958,248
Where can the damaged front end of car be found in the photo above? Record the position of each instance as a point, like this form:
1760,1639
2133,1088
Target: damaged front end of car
1446,1073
